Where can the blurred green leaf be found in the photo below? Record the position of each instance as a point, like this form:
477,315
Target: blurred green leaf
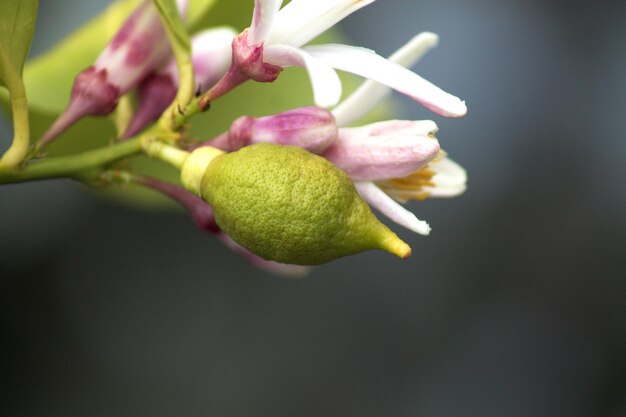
235,13
17,26
198,11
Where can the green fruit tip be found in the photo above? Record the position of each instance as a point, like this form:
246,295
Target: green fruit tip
396,246
196,165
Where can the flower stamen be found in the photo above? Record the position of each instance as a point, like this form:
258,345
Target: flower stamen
410,187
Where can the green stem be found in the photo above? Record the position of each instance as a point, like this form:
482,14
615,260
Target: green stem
181,117
176,115
21,130
166,153
73,166
181,46
21,136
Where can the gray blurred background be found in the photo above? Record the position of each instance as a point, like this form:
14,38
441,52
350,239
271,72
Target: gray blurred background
514,306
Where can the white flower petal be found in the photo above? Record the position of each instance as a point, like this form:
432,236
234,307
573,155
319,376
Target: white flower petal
265,13
450,179
324,80
415,49
211,56
302,20
368,64
370,93
387,206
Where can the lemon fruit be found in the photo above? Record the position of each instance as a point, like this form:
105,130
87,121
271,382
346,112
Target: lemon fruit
288,205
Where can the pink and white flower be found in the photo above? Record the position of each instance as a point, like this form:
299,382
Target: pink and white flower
384,151
275,40
438,176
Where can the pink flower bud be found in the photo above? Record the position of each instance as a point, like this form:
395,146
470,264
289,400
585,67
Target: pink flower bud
211,55
311,128
155,93
384,150
91,94
137,49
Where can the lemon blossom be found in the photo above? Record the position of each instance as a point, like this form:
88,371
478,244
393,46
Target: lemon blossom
275,40
384,151
438,175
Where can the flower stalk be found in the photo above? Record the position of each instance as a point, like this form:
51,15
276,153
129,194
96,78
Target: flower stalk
166,153
73,166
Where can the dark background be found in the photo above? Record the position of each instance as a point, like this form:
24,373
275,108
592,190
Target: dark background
514,306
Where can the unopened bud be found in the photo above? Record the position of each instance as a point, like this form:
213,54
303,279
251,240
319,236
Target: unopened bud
311,128
155,93
92,94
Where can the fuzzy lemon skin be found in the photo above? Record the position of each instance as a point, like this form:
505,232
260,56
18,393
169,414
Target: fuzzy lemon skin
288,205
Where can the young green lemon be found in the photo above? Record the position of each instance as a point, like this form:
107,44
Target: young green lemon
286,204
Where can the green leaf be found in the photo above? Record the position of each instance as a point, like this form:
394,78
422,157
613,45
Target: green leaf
17,25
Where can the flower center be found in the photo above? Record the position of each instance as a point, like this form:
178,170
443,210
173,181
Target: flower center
412,186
